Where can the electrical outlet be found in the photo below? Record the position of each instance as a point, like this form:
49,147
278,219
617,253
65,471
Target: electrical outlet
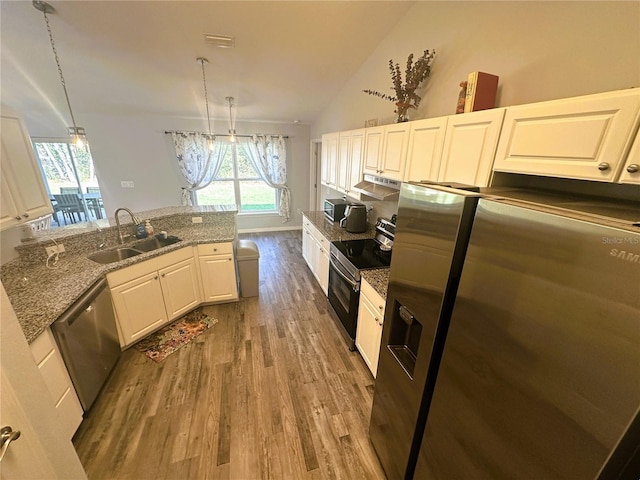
59,248
196,219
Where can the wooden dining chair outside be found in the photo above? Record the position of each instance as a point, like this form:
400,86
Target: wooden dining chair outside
95,204
70,206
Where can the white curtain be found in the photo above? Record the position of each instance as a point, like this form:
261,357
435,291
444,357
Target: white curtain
268,155
198,163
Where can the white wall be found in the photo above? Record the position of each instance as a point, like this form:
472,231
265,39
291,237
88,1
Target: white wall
134,147
541,51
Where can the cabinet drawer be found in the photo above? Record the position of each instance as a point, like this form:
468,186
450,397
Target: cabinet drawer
215,249
148,266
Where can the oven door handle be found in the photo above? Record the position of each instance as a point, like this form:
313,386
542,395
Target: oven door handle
354,285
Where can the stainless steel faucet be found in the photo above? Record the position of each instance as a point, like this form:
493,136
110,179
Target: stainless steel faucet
135,221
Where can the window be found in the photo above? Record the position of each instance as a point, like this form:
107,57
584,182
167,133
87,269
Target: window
70,179
238,183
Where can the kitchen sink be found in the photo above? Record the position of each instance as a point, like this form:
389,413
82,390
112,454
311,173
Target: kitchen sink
110,256
154,243
148,245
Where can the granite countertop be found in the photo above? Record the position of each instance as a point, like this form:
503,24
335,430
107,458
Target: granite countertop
39,295
378,277
333,231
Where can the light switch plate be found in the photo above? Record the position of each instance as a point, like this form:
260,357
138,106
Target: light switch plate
126,183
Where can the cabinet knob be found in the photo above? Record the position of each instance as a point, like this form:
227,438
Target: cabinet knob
380,307
215,249
18,217
164,274
633,168
155,278
25,215
229,259
603,166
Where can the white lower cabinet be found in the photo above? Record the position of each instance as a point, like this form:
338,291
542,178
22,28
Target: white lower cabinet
315,251
54,372
369,329
218,272
150,294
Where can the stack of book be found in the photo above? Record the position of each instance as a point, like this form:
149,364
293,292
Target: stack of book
481,91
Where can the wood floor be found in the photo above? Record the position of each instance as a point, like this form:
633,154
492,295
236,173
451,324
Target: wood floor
270,391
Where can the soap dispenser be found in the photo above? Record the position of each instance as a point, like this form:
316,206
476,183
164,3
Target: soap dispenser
148,228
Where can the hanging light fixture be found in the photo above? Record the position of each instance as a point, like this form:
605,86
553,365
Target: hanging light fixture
202,61
77,133
232,121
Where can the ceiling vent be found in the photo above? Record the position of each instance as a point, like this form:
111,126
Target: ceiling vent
222,41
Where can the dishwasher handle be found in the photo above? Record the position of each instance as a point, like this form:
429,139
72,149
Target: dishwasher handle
83,303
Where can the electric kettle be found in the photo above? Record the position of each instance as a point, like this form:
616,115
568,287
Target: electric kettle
355,218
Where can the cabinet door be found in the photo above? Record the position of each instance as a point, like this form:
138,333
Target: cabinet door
139,306
323,269
21,174
583,137
426,140
470,146
394,153
343,162
329,158
306,244
180,288
356,154
369,333
631,170
373,139
54,372
218,274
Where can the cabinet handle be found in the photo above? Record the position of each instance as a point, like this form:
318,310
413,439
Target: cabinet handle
633,168
603,166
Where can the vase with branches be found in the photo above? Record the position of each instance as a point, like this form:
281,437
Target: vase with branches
405,96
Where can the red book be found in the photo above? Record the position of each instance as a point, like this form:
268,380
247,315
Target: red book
481,91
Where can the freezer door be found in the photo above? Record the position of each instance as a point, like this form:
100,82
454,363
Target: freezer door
539,375
432,227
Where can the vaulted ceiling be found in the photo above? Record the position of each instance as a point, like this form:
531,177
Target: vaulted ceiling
139,57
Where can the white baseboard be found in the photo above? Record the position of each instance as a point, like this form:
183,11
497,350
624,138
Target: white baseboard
268,229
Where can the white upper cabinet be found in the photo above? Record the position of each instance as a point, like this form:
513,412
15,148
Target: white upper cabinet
631,170
373,141
329,159
394,151
349,163
24,196
386,150
583,137
470,146
426,139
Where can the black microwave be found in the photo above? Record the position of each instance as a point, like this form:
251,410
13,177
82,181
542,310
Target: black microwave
334,208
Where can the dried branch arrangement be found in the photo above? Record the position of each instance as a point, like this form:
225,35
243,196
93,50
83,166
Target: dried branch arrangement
405,95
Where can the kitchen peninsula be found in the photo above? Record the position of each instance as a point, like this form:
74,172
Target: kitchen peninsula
39,293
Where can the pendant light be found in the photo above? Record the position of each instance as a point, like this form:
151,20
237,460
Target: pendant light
232,121
77,133
202,61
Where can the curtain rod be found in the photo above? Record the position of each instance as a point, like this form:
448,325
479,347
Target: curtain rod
224,134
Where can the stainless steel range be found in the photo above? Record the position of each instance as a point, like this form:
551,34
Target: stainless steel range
348,258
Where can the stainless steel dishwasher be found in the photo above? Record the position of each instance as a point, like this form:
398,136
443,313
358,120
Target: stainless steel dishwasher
88,339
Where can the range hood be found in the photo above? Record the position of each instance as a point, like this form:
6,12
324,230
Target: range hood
378,187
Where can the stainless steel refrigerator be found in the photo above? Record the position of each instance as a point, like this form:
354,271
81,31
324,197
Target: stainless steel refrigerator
535,373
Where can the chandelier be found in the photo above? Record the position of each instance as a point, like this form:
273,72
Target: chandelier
77,133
